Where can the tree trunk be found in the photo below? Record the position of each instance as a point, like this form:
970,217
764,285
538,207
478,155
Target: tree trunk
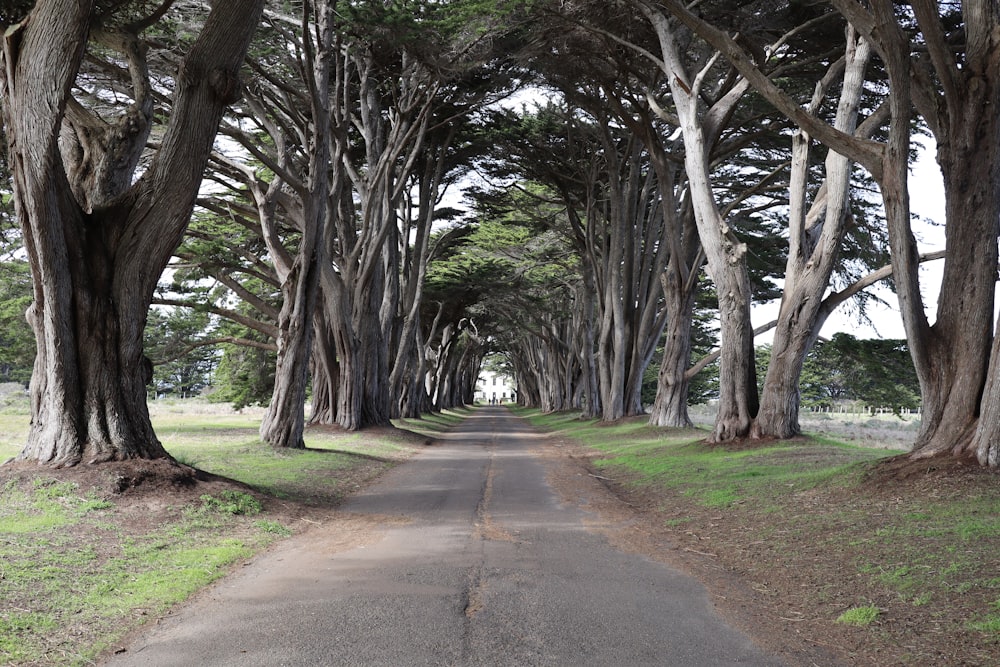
982,128
284,421
376,396
359,283
409,365
814,243
726,255
325,371
737,374
95,261
589,385
670,408
958,96
958,345
953,369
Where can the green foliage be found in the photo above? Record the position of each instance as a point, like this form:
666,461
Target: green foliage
181,368
238,372
499,364
426,28
989,623
506,271
245,375
273,527
704,339
874,372
17,341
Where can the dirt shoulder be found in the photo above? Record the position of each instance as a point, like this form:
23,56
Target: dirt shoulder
784,575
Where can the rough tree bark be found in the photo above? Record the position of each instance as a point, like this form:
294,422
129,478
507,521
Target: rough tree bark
670,407
96,240
630,256
957,93
679,280
409,366
284,421
354,282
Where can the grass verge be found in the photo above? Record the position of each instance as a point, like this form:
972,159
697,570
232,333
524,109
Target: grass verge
89,553
902,554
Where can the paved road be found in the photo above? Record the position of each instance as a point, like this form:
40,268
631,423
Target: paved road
482,566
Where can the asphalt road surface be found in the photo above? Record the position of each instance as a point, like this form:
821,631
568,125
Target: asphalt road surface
473,561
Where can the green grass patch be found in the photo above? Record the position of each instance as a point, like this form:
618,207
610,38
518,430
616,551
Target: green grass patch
273,527
73,581
231,447
712,476
232,502
939,546
13,434
859,616
988,623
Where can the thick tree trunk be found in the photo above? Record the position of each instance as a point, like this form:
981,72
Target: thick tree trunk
632,258
958,345
954,366
814,243
360,282
406,379
983,48
362,375
95,261
459,360
375,407
589,385
985,444
88,388
725,254
727,265
670,408
610,352
284,421
737,373
958,96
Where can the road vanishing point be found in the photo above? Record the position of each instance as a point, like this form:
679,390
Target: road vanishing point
467,556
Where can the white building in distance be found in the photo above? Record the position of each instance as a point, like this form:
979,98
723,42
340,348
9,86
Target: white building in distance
494,388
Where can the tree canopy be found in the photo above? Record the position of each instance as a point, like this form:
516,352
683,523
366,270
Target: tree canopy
366,199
